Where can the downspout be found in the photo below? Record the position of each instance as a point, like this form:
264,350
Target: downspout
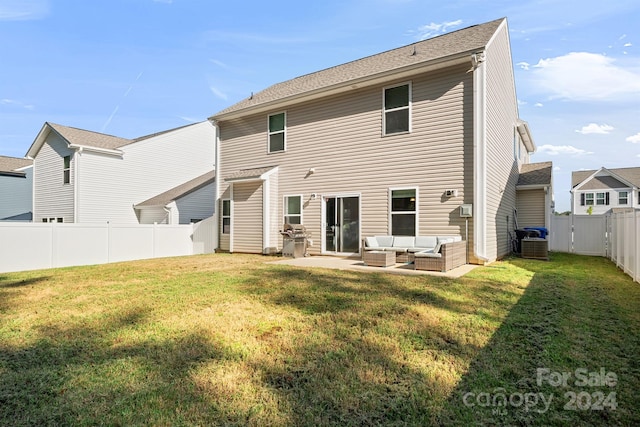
479,157
217,205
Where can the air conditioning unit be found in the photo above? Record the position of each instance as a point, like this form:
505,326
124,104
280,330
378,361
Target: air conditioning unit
535,248
451,193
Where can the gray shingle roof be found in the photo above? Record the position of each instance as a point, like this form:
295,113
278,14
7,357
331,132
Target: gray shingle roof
11,164
89,138
247,174
631,175
423,52
535,174
179,191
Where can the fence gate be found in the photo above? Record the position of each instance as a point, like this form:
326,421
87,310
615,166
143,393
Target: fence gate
580,234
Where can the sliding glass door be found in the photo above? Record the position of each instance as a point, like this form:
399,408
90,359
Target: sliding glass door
342,224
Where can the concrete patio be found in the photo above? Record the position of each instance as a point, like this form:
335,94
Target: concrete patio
356,264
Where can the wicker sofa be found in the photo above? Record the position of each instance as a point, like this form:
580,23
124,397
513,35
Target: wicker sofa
435,253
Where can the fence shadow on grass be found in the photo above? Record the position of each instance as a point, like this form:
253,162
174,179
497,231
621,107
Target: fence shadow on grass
566,320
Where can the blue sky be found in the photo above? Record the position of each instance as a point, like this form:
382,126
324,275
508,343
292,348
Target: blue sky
135,67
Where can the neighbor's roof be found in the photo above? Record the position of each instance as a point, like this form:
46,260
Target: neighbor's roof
467,40
631,175
535,174
179,191
12,164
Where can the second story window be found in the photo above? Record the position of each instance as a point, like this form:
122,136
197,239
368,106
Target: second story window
397,105
277,132
602,198
66,170
623,198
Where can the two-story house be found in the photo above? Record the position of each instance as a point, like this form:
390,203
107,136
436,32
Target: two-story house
596,192
16,181
82,176
394,143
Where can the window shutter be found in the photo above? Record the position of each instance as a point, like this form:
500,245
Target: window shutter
581,199
606,198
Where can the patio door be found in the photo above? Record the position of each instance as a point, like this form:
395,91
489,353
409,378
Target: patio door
341,224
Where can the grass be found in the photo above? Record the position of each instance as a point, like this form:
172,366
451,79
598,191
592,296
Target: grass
230,340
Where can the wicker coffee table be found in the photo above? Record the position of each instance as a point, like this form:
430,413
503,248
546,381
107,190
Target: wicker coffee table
379,258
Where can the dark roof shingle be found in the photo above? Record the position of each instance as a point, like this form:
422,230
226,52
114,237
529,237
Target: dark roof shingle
535,174
457,42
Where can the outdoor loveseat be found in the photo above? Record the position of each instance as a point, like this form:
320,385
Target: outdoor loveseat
436,253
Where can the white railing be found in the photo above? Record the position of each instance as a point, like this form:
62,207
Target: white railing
623,242
32,246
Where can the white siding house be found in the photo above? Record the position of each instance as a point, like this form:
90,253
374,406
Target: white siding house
596,192
16,189
88,177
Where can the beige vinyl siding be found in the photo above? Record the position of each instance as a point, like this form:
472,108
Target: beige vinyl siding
247,217
341,138
153,215
502,168
531,206
52,198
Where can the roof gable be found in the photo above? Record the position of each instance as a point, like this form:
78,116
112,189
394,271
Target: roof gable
628,177
416,55
179,191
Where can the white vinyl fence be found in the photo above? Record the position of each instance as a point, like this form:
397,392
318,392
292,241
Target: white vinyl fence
32,246
624,244
614,235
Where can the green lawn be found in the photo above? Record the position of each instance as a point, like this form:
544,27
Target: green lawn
229,340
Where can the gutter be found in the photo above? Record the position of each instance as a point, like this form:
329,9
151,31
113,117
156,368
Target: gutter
217,206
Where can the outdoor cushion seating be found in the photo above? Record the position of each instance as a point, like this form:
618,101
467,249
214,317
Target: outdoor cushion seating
408,247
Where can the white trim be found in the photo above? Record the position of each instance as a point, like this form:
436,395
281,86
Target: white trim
266,215
480,161
75,158
218,206
384,110
232,222
416,211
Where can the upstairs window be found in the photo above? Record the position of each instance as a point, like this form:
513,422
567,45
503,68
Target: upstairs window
586,199
277,132
623,198
397,114
293,210
602,199
403,212
66,170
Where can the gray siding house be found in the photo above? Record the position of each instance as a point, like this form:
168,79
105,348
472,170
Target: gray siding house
393,143
16,189
596,192
82,176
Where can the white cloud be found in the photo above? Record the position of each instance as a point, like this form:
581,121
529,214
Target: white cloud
21,10
628,45
218,93
557,168
595,128
521,102
433,29
523,65
585,76
6,101
554,150
538,104
635,139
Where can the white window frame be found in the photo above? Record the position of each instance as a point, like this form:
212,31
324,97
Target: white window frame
286,207
621,198
66,171
284,132
407,107
601,197
589,197
415,211
223,216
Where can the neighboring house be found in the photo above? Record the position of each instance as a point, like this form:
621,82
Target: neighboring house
16,195
598,191
88,177
394,143
190,202
534,201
